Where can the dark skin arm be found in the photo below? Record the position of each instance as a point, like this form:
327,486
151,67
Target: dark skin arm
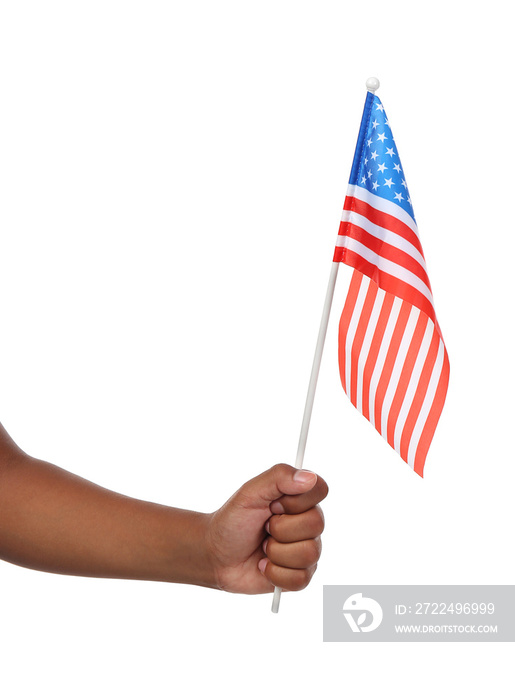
55,521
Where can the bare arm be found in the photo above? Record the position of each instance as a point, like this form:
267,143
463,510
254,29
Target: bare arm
53,520
268,532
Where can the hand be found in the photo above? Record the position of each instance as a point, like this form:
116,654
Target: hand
268,532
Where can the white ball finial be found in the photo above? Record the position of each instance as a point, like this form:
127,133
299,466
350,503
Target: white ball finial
373,84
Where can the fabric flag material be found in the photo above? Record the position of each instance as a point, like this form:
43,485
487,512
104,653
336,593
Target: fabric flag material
393,361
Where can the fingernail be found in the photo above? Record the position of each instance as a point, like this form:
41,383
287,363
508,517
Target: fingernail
304,476
262,565
265,545
277,508
267,526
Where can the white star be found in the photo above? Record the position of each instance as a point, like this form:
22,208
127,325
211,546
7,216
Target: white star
382,137
403,183
382,168
369,174
375,124
380,107
398,196
374,155
397,167
369,142
388,183
366,161
389,152
363,180
375,185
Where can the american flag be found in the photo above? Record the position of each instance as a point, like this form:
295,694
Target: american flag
393,361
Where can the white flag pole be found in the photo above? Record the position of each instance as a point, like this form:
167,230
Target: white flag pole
308,408
372,85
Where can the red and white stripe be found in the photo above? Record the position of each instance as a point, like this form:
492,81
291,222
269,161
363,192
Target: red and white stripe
393,362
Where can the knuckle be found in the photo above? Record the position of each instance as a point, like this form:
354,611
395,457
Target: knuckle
275,525
324,488
317,521
281,469
312,551
298,580
301,578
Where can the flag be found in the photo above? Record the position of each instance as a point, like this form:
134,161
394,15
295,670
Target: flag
393,361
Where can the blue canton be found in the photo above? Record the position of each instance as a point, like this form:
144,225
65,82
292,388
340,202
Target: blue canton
377,166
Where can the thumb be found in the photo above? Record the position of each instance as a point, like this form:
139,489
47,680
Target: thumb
276,482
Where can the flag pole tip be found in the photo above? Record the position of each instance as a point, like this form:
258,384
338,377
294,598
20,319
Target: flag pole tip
373,84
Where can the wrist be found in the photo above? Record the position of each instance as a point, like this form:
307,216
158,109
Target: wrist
187,554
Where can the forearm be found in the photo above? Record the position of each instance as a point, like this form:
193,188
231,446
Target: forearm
54,521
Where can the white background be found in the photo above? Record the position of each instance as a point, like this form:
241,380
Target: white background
172,176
